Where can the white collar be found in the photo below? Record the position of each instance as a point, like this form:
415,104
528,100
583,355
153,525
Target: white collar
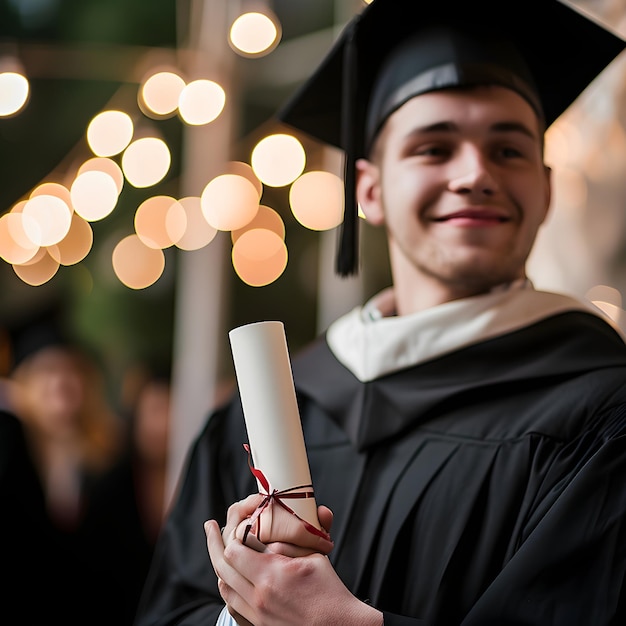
371,344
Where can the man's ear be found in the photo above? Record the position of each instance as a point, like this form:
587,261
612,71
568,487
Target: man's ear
368,191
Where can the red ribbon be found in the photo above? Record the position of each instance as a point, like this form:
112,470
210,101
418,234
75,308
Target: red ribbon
274,495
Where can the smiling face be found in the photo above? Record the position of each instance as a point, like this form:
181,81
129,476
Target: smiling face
457,178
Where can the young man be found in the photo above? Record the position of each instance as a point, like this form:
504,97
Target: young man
466,431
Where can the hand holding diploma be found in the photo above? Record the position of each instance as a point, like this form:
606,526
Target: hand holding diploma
276,443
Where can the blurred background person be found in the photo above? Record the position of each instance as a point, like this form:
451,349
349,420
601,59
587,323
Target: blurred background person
127,503
73,436
29,551
73,433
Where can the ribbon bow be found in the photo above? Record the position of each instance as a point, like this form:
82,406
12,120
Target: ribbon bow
274,495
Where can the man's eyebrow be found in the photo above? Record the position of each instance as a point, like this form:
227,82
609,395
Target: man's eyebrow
499,127
436,127
514,127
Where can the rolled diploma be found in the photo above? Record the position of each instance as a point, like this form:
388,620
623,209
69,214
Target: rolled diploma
270,408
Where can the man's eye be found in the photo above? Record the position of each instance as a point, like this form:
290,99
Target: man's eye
432,151
509,152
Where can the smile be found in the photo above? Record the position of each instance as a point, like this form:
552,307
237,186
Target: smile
473,218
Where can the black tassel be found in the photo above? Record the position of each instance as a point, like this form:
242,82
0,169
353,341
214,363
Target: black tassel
347,262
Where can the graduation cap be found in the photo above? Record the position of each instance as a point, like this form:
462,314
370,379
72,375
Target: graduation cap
545,50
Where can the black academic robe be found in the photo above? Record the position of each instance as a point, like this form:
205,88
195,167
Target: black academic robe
118,546
483,487
30,555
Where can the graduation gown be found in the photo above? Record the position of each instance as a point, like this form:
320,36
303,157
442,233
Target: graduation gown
483,486
118,545
29,552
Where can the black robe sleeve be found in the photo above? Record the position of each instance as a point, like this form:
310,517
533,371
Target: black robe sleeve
571,566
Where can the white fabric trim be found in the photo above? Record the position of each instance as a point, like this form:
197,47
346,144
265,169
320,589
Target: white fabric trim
371,345
225,619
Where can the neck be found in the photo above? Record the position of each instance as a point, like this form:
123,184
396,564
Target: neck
417,292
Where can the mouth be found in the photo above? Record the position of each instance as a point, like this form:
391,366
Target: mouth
473,217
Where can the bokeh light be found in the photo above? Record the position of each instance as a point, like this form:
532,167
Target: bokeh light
146,161
106,165
316,199
201,101
15,244
53,189
76,245
53,218
160,221
254,34
136,265
94,195
14,92
266,218
39,270
277,160
229,202
109,133
159,94
240,168
259,257
198,232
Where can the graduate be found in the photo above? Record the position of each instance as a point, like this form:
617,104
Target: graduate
466,433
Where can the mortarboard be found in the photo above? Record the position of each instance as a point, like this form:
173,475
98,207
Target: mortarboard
393,50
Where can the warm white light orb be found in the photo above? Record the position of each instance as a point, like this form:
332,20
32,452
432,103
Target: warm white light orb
146,161
278,160
316,199
38,271
94,195
240,168
267,219
16,245
53,189
259,257
109,133
254,34
53,218
229,202
14,91
160,221
198,232
201,101
136,265
160,93
106,165
75,246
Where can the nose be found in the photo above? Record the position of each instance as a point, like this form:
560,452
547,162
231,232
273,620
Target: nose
471,174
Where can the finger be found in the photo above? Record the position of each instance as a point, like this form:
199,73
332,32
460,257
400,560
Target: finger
242,532
244,508
223,569
232,585
285,527
325,516
279,524
240,511
288,549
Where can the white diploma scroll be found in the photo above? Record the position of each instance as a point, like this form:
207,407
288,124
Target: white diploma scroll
271,414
